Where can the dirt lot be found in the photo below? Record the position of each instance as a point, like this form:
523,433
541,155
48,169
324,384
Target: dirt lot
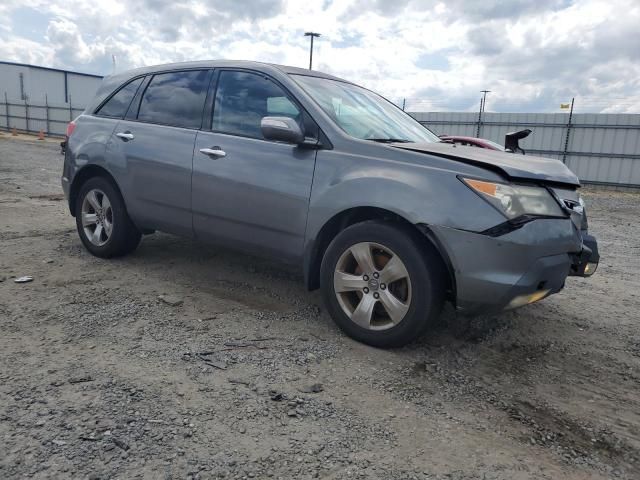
249,378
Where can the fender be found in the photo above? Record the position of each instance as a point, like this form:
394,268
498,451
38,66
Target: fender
352,188
86,150
344,181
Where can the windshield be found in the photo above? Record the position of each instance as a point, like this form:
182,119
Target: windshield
364,114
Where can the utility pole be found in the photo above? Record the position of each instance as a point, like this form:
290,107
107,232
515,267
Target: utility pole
484,98
311,34
483,102
566,139
479,118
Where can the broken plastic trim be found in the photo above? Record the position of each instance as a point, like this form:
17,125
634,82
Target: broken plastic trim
514,224
510,225
585,263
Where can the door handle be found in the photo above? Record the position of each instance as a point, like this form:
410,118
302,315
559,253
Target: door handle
214,152
125,135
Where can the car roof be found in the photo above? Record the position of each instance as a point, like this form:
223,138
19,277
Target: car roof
112,82
261,66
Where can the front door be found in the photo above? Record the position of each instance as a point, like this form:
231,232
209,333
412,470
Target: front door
249,192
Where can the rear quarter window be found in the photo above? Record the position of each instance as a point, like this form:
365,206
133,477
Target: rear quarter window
118,104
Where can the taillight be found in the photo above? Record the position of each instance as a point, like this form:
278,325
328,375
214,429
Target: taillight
70,128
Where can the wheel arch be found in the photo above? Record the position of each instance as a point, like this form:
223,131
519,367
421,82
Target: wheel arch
84,174
424,239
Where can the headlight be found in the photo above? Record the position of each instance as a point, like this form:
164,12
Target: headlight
516,200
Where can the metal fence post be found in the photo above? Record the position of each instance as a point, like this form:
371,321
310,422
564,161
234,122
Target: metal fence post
6,110
26,115
46,109
566,140
479,118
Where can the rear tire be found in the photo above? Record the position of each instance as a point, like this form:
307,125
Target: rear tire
379,306
102,221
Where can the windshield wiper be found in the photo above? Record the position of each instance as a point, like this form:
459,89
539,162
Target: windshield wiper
389,140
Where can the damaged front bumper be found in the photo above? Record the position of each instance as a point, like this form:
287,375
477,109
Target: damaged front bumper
496,273
586,262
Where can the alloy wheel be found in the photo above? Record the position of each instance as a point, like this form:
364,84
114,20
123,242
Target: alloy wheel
372,286
97,217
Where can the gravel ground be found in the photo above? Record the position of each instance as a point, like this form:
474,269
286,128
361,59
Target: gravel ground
238,372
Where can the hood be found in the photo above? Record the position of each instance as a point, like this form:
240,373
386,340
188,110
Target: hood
513,166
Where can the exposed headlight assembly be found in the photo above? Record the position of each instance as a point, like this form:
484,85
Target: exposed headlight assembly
516,200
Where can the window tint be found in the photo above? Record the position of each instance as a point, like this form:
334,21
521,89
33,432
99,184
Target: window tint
118,104
175,98
243,99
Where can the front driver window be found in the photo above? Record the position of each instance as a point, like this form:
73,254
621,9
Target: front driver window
244,98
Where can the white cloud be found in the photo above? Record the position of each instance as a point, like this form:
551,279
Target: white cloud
438,55
68,44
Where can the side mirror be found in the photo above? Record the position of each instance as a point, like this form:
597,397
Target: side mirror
282,129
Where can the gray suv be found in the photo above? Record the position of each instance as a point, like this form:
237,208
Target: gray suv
307,168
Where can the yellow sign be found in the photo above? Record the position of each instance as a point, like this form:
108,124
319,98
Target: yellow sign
565,106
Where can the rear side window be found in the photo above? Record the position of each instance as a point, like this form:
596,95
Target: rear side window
117,105
243,99
175,98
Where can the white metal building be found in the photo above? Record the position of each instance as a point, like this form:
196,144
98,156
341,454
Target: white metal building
36,84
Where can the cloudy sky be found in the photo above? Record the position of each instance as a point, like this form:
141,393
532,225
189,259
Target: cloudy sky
531,54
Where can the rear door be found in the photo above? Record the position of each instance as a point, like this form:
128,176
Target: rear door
254,194
154,143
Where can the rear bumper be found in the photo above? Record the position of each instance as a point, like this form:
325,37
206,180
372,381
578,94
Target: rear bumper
499,273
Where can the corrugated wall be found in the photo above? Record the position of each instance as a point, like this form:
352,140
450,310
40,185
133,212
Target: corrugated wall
602,148
66,93
38,82
82,89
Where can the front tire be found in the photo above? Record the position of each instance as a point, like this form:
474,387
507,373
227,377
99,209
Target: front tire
102,221
379,285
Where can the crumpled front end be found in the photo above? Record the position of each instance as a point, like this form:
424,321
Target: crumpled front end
497,271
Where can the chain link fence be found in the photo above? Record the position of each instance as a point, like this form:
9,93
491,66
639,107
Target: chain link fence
25,117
